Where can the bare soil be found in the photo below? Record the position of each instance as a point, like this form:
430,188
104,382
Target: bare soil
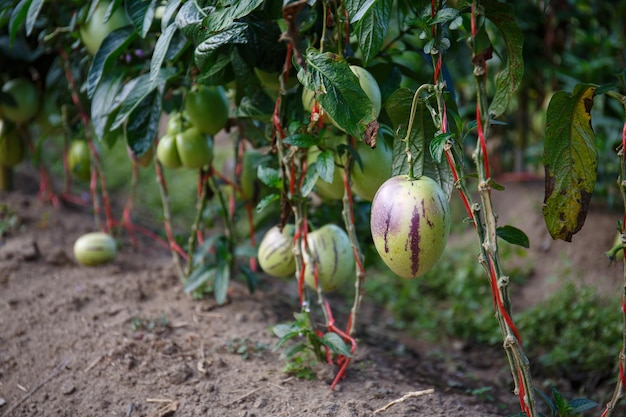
124,339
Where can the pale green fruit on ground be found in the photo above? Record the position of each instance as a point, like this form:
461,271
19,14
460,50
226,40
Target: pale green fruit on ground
26,98
331,251
95,29
410,223
167,153
195,149
95,248
376,164
276,252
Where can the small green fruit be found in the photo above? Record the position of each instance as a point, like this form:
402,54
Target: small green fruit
26,98
167,153
375,169
94,249
195,148
79,160
207,108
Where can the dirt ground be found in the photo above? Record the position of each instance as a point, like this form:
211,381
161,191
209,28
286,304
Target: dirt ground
125,340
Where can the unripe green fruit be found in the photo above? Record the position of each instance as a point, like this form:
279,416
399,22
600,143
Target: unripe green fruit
376,164
271,81
26,98
331,252
410,223
12,148
207,108
176,123
95,28
79,160
195,149
276,252
167,153
95,249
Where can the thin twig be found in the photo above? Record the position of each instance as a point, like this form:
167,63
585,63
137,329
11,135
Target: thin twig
405,397
236,400
60,367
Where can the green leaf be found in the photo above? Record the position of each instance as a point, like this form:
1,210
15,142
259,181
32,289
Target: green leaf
198,278
235,34
372,26
112,46
141,14
571,161
437,146
252,278
160,50
18,16
338,91
220,283
33,14
269,176
325,164
266,201
135,91
335,343
301,140
358,8
444,15
513,235
143,124
189,19
309,180
103,103
423,131
582,404
170,11
222,17
508,80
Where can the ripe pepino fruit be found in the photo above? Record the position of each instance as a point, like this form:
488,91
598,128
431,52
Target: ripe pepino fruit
276,252
410,223
95,248
331,249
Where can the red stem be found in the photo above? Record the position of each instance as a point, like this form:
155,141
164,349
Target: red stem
496,292
455,175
